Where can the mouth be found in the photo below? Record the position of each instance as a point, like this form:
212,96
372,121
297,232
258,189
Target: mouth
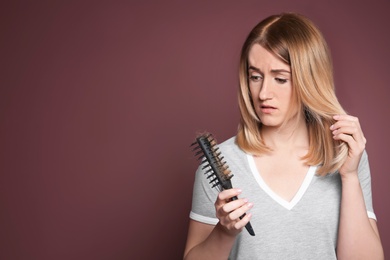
266,109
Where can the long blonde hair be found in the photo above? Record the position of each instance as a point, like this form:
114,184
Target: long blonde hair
297,42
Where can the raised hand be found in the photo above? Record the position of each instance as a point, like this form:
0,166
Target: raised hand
347,129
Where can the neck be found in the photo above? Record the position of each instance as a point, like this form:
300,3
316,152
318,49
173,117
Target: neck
292,135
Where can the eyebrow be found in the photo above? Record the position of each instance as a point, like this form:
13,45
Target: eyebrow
272,71
280,71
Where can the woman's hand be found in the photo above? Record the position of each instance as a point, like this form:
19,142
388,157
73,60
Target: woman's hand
347,129
229,211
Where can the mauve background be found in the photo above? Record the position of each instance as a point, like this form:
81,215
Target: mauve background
100,101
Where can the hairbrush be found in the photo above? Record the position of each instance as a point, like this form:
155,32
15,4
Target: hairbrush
216,170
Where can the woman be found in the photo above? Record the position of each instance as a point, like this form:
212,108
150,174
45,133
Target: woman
300,167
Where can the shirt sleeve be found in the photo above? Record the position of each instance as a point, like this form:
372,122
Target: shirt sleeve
365,183
203,199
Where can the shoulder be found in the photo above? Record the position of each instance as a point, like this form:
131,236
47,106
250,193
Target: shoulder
228,142
230,150
229,145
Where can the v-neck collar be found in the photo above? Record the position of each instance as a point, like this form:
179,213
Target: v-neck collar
297,197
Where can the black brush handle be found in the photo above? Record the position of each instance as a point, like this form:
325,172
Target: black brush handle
248,225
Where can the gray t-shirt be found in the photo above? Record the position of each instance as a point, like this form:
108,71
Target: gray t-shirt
303,228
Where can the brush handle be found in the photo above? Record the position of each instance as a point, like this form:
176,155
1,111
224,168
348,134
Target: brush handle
248,226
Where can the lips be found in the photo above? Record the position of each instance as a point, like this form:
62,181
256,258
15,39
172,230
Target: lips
267,109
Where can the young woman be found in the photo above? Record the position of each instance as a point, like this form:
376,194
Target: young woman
300,167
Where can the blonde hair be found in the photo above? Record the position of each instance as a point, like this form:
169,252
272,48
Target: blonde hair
297,42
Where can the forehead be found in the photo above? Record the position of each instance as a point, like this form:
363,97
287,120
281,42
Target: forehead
264,60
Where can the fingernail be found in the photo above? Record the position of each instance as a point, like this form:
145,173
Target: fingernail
239,190
331,127
250,205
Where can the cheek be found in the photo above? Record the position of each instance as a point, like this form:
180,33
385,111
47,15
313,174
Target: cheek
291,103
253,92
287,96
251,96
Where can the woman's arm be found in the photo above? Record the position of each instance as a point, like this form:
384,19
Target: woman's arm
358,236
215,242
207,242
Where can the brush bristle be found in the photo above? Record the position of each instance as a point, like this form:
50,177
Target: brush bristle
215,168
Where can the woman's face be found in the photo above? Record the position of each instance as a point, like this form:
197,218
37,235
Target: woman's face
270,86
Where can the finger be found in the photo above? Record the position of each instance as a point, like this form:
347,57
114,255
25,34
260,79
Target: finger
226,195
354,146
241,224
345,123
236,214
348,125
353,131
345,118
345,138
234,205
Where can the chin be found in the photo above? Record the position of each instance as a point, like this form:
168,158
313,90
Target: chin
268,123
271,121
271,125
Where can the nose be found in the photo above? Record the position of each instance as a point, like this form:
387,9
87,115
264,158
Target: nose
266,90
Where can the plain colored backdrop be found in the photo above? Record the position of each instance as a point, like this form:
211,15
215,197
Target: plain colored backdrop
100,100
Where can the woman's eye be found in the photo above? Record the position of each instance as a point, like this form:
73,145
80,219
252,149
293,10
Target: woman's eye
255,77
281,81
